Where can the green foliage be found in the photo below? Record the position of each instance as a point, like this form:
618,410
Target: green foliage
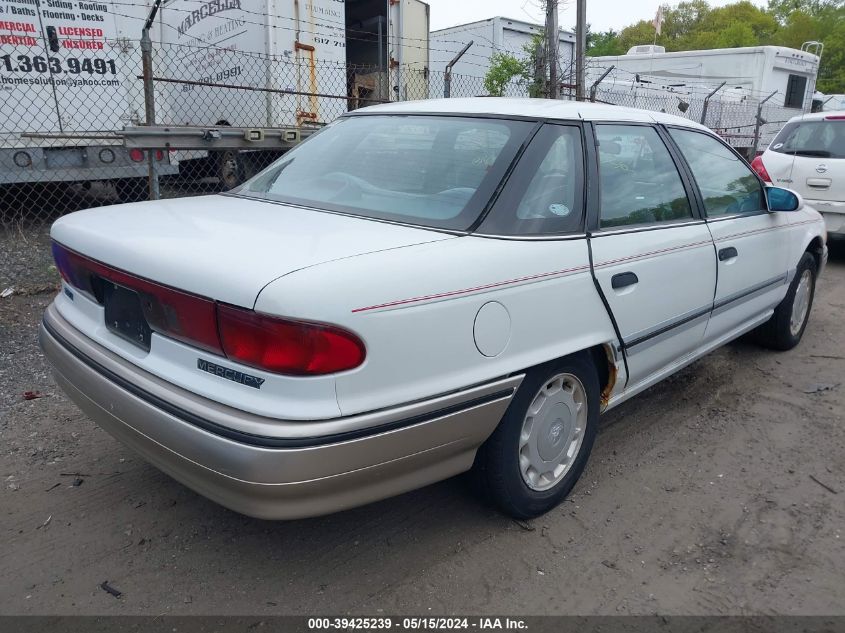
503,69
694,25
603,43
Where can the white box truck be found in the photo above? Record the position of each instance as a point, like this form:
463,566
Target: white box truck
69,74
292,65
495,35
67,82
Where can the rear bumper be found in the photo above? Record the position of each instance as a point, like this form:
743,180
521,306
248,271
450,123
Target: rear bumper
273,477
833,214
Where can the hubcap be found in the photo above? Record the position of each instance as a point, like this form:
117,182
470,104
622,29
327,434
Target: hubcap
552,431
801,303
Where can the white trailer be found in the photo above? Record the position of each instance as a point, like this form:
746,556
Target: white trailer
496,35
295,64
69,74
650,78
67,82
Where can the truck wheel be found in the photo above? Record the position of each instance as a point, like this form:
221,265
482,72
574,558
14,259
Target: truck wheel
132,189
539,450
230,169
786,327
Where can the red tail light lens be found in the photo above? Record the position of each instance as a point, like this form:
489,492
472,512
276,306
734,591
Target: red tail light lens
286,346
185,317
136,155
758,166
282,346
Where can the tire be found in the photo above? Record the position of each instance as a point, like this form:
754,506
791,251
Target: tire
132,189
781,332
500,466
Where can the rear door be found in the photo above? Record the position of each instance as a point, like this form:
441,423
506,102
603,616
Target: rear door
752,245
652,255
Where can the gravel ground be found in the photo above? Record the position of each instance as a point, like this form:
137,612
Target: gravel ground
719,491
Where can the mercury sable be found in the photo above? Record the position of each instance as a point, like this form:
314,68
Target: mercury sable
419,290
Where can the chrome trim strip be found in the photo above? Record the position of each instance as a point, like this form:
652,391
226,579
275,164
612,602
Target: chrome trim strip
748,294
668,328
646,227
58,336
532,238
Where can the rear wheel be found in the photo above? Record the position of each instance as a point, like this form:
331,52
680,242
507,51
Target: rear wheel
541,446
786,327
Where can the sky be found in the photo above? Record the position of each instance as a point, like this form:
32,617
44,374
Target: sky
601,14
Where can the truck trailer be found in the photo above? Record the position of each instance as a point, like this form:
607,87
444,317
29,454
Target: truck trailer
70,77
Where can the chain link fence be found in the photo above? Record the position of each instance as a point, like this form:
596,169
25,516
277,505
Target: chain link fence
71,120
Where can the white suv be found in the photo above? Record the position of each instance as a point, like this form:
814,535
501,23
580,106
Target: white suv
808,156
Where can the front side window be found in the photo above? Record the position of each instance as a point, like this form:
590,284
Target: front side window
638,179
434,171
544,195
822,139
727,184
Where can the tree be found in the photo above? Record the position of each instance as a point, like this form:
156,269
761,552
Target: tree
603,43
504,68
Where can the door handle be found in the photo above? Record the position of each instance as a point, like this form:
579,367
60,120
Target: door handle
727,253
623,280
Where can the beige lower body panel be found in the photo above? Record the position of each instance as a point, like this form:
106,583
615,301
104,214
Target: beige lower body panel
281,483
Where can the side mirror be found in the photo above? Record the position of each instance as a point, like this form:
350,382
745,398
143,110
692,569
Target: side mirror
780,199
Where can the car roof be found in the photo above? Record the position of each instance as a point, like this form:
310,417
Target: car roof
819,116
532,108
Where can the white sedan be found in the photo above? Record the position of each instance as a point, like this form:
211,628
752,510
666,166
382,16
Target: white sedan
422,289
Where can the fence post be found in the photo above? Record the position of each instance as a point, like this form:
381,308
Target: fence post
758,122
594,87
707,102
149,95
447,76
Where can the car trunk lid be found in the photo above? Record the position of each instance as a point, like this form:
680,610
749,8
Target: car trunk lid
226,248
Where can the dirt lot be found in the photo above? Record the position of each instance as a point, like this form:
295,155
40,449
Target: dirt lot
720,491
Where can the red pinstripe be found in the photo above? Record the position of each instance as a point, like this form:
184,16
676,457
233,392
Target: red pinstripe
518,280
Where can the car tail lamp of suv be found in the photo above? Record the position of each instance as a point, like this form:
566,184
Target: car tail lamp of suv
758,166
276,345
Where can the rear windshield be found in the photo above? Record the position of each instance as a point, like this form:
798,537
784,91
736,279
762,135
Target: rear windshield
435,171
824,139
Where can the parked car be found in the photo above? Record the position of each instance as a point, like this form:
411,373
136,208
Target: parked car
418,290
808,155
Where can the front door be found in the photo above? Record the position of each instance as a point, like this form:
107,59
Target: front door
751,243
652,256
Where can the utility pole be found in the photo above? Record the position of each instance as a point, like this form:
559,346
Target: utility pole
552,45
580,48
149,95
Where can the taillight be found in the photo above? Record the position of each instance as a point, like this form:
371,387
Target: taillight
277,345
136,155
287,346
758,166
180,315
835,117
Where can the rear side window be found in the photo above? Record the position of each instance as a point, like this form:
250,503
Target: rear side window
434,171
639,181
727,184
544,195
822,139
